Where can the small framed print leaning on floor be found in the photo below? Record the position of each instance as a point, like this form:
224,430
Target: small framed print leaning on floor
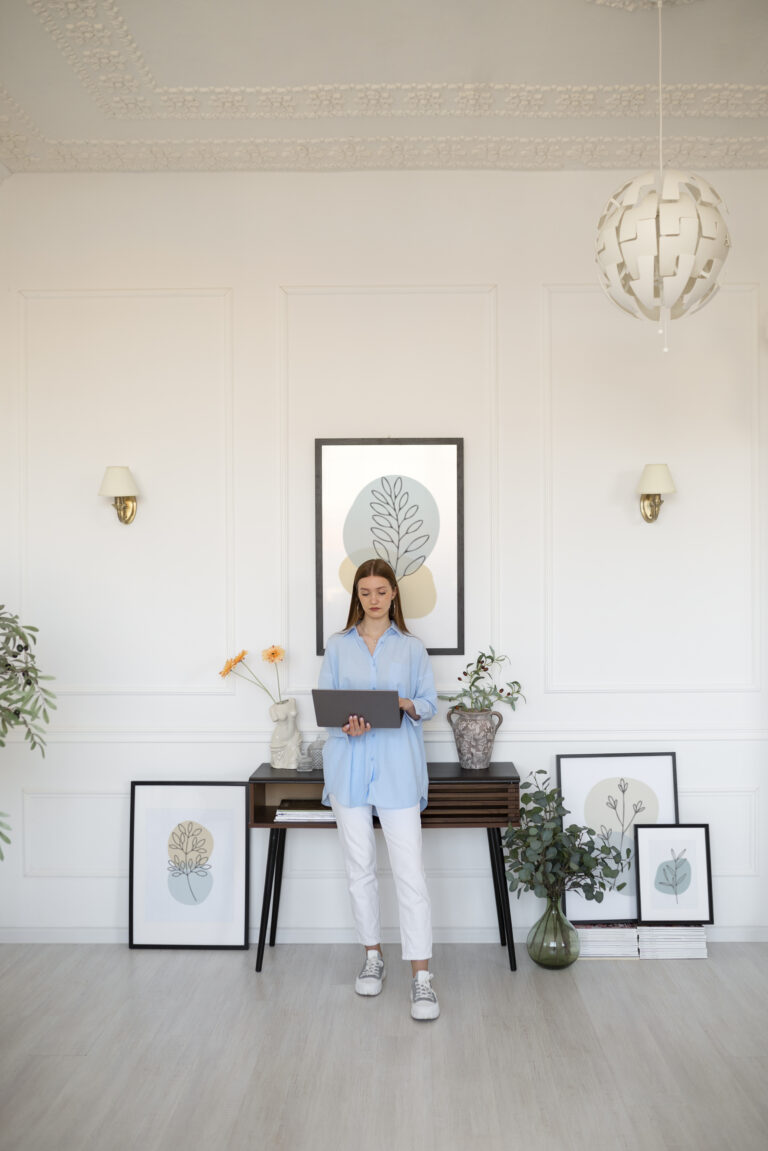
674,874
188,882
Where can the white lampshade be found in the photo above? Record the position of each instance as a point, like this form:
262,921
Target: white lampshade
118,481
659,250
655,481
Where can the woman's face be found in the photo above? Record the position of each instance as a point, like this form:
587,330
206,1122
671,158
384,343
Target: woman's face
375,594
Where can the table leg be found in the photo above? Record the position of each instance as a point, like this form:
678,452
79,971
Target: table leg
497,891
278,884
494,836
269,878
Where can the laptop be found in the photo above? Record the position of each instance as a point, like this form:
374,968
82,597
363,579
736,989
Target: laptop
378,708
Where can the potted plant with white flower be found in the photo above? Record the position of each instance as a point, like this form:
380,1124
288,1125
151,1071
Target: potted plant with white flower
473,718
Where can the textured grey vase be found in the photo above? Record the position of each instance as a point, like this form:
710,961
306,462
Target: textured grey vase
474,732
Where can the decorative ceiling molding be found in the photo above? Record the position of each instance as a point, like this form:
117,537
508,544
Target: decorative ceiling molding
108,84
387,152
96,42
632,5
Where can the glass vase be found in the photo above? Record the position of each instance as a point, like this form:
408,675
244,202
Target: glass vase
553,941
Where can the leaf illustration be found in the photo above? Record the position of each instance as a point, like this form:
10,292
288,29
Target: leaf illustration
412,567
394,526
189,849
417,543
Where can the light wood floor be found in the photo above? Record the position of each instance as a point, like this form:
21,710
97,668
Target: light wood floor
110,1049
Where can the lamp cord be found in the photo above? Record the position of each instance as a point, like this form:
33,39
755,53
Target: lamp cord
664,312
661,117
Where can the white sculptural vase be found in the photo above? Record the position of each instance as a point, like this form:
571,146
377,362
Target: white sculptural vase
285,745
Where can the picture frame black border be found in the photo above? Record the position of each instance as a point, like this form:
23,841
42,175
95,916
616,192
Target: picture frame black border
639,827
458,441
671,755
245,945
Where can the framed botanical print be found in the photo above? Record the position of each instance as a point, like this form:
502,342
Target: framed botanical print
188,884
673,874
400,500
611,793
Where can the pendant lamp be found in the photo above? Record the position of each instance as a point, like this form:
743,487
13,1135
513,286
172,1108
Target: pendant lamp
661,240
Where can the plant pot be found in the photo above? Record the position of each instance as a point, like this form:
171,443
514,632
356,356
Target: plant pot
474,733
553,941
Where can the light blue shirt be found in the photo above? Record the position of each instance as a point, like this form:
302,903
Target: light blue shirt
385,767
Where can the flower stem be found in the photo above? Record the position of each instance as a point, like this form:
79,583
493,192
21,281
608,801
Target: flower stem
251,678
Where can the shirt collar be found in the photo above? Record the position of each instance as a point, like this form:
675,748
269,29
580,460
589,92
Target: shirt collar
392,627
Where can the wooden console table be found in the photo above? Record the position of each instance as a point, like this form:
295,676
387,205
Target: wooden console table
457,798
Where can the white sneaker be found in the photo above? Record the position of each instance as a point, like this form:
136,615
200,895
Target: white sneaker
424,1003
371,977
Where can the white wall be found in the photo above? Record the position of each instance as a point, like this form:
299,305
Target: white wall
204,329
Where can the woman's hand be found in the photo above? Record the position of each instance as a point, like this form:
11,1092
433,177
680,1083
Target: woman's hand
408,706
356,726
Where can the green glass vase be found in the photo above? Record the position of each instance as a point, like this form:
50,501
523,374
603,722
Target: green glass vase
553,941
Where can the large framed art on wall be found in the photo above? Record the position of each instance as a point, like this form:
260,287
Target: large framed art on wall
401,500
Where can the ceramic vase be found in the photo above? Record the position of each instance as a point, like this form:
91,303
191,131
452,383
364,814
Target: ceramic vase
285,745
474,733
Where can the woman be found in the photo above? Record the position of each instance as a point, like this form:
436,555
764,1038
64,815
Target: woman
385,770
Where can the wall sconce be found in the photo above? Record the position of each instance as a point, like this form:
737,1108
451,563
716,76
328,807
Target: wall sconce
654,482
120,484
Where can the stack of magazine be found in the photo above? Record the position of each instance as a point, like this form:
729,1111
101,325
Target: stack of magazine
678,942
608,940
303,811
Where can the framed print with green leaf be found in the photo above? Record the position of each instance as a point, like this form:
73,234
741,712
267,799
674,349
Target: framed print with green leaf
188,876
611,793
674,874
400,500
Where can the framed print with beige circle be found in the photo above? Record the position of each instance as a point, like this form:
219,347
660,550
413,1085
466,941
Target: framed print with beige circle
611,793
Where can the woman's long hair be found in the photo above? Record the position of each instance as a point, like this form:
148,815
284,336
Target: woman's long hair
380,568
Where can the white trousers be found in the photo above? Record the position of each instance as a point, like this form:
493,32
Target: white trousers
402,832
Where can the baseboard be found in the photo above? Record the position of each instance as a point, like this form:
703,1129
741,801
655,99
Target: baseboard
64,935
95,935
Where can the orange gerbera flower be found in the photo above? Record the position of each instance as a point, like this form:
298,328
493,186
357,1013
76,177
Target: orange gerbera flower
273,654
232,663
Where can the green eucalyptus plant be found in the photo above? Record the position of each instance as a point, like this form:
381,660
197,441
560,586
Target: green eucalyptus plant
548,858
480,689
24,700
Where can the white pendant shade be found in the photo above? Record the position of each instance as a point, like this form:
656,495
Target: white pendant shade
660,254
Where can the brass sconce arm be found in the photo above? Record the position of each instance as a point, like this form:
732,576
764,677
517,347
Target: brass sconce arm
125,507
